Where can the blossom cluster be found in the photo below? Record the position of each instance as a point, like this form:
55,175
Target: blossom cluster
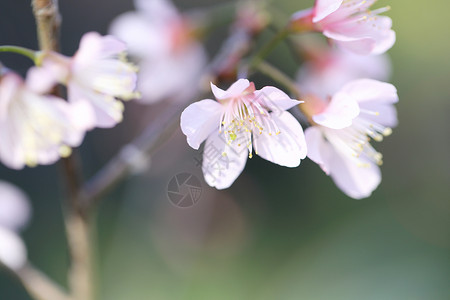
344,99
165,45
38,127
343,95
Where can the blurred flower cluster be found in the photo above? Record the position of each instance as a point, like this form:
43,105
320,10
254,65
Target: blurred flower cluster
14,215
38,126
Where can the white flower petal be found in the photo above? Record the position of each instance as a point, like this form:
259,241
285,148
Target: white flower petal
111,77
15,208
360,46
236,89
143,38
275,99
365,90
157,9
107,110
222,163
10,84
317,147
386,114
93,47
40,80
384,43
199,120
33,128
286,148
339,113
13,252
164,77
11,155
82,115
354,180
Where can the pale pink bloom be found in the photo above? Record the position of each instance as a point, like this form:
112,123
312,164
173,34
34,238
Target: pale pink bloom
14,214
15,208
162,40
34,129
95,76
327,72
13,252
350,24
343,127
241,119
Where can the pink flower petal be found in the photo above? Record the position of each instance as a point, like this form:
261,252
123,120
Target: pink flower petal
275,99
324,8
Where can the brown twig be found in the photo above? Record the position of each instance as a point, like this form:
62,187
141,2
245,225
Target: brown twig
48,22
39,286
123,163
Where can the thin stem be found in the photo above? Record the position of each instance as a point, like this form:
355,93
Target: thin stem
284,80
144,145
77,224
267,48
81,273
20,50
48,21
277,75
77,221
39,286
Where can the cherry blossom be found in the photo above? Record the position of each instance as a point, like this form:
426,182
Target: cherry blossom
328,70
164,43
350,24
95,76
339,140
241,119
35,129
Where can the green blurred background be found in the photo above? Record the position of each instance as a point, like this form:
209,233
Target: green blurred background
278,233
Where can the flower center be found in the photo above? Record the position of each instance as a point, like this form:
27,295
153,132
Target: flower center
355,140
245,118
